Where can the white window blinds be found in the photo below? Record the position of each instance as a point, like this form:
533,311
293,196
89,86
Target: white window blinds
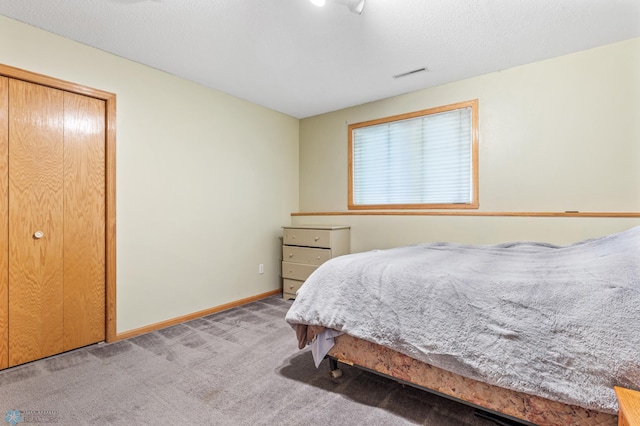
415,161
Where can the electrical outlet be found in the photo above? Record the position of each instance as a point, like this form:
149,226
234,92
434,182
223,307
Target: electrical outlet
261,268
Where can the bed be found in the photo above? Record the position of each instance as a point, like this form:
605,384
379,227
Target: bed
534,331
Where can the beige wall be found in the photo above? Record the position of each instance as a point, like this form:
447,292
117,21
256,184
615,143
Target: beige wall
204,180
556,135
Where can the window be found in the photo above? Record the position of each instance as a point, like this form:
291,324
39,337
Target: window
425,159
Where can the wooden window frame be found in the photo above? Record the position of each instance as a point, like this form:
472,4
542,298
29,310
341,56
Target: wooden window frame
473,204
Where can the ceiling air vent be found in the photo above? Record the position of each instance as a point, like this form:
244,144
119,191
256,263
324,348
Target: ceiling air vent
404,74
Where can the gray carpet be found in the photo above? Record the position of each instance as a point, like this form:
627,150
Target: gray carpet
238,367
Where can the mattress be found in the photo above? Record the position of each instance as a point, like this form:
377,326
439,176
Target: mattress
559,322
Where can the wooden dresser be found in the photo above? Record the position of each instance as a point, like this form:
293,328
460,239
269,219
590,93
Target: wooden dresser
628,407
306,247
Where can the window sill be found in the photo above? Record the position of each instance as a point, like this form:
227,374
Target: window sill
470,213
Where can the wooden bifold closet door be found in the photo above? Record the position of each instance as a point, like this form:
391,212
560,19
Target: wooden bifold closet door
52,179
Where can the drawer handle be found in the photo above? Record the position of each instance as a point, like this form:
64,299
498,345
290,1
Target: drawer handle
290,254
290,286
316,238
318,257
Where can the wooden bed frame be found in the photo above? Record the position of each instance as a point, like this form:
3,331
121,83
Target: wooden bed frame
525,408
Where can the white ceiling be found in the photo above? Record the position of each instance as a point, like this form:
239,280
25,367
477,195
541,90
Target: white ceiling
294,57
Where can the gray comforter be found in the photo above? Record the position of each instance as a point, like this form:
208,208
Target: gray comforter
561,322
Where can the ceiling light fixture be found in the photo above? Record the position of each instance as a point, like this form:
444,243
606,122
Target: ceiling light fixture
355,6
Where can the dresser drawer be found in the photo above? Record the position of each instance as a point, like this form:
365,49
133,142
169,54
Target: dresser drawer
297,271
307,237
305,247
291,287
309,256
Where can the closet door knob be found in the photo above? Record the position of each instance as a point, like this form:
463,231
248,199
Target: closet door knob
38,234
